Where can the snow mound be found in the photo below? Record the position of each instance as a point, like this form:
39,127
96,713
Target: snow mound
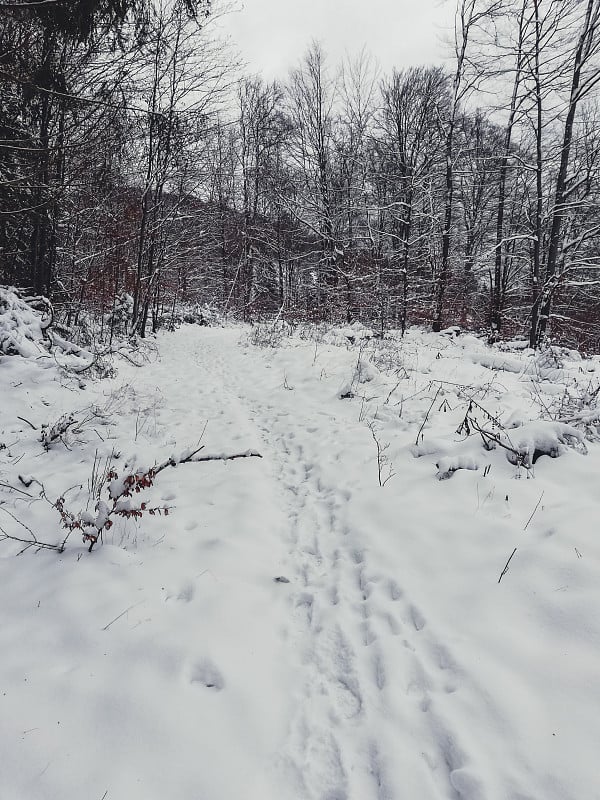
498,362
364,372
524,445
448,465
356,332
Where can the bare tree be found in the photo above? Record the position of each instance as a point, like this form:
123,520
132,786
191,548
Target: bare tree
312,95
470,16
585,76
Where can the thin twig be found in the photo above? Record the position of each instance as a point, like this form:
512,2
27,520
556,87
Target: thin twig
106,627
27,542
537,505
387,400
15,489
27,421
427,414
505,570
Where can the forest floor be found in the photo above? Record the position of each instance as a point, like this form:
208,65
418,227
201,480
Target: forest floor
293,630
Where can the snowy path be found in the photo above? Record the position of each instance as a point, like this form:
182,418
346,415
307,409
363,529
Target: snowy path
367,720
293,630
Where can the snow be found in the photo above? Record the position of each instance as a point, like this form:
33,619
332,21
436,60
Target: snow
292,629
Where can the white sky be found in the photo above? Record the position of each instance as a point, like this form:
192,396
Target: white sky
272,35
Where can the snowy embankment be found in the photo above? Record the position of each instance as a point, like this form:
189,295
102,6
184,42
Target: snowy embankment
293,629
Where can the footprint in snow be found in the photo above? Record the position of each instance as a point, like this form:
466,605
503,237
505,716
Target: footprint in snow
467,784
445,660
393,624
304,603
418,620
379,671
346,697
186,593
206,673
368,635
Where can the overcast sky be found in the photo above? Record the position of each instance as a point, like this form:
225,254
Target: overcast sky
272,35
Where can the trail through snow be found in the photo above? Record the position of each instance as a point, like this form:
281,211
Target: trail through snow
360,639
296,631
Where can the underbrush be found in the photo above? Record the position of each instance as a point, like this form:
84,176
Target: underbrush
478,398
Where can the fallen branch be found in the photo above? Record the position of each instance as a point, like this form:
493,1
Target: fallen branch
121,490
222,457
190,458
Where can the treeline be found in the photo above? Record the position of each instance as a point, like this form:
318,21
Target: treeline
134,163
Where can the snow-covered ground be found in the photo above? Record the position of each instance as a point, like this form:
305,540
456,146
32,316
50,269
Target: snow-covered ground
293,630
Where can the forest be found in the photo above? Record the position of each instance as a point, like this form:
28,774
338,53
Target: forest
299,406
143,173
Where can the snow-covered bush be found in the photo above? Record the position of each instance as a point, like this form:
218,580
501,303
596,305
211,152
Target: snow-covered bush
523,442
357,332
119,320
22,324
267,334
57,430
579,408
